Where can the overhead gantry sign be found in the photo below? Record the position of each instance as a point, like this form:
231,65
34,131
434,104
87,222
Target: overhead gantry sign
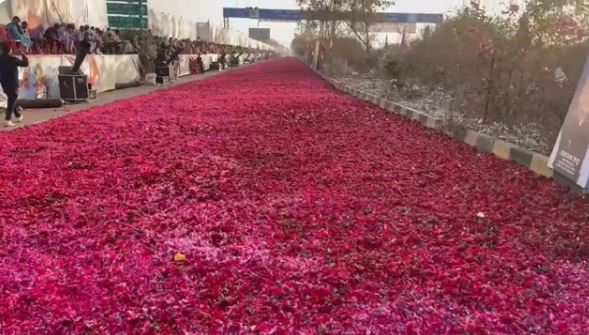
294,15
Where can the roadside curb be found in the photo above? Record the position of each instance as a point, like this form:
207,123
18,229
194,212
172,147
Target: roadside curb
535,162
390,106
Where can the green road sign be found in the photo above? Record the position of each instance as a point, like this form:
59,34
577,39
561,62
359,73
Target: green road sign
127,14
137,9
127,22
128,1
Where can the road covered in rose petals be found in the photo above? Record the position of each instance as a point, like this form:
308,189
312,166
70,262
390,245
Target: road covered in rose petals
264,201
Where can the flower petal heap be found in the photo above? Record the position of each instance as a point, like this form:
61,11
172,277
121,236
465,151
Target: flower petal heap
264,201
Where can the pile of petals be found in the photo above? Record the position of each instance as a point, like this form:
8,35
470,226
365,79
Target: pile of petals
263,201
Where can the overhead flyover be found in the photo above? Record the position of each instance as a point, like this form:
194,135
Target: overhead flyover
294,15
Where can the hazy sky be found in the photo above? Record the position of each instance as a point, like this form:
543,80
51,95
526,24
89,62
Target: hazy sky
284,32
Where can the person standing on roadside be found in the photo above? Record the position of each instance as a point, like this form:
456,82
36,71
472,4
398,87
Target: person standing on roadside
9,80
52,38
222,60
200,63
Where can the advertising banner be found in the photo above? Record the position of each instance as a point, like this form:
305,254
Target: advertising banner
105,71
39,80
183,68
259,34
392,27
570,156
203,31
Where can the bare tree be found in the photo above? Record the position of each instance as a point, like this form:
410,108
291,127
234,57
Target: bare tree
361,14
325,12
357,15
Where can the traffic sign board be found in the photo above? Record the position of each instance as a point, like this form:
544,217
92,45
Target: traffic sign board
292,15
126,8
127,14
127,22
128,1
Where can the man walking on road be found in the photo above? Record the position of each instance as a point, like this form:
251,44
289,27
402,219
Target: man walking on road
9,79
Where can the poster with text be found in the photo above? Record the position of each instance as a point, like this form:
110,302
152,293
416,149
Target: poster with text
40,79
570,156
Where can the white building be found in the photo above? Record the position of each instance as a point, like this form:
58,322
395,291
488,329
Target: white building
494,6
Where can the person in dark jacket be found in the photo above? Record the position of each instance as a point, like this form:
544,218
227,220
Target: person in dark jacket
201,65
52,37
222,60
9,79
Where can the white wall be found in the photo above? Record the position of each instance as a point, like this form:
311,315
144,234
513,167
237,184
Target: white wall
91,12
178,18
190,10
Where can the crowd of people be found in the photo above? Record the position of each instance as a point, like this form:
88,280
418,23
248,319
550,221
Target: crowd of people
169,50
154,50
62,38
66,38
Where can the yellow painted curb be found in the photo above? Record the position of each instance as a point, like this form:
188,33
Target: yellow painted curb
414,114
471,138
502,150
540,166
430,123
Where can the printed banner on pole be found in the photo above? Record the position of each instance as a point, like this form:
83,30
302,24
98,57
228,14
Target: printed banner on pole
393,27
570,156
203,31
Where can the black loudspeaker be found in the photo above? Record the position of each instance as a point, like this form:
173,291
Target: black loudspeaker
65,70
39,103
73,87
162,70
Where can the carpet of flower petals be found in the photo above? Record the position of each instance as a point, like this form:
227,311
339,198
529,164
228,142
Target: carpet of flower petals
299,210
